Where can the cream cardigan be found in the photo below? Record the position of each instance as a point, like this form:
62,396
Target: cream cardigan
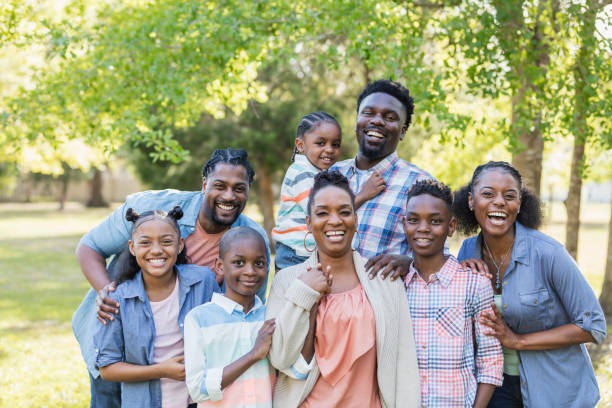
290,301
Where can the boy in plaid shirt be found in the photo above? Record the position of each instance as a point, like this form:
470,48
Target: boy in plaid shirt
459,365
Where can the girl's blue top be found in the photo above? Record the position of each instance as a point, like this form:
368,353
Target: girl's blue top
543,289
130,337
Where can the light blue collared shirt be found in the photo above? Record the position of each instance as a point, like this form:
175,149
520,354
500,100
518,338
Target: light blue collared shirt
543,289
131,336
111,236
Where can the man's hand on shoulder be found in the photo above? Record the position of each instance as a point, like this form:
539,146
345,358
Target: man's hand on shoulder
106,306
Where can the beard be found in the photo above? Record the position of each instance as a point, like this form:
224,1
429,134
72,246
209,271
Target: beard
211,213
371,152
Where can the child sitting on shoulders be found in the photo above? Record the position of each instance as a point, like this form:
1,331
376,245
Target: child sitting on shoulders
142,347
227,339
317,146
459,365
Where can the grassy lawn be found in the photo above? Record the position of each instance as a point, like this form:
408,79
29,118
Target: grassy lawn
41,286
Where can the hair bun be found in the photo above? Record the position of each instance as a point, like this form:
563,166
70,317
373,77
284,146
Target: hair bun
176,213
131,215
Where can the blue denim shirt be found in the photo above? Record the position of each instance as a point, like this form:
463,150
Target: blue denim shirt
111,236
130,337
543,289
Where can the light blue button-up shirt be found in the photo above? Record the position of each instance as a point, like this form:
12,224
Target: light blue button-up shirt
131,336
111,236
543,289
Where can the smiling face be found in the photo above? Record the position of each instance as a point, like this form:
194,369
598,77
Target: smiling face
155,244
244,268
428,222
495,200
380,125
226,191
321,145
332,221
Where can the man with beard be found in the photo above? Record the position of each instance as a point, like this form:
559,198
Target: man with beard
384,111
226,179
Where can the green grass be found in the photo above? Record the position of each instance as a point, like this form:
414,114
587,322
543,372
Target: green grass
41,286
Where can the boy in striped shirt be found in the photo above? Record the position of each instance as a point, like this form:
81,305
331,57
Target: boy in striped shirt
459,365
227,339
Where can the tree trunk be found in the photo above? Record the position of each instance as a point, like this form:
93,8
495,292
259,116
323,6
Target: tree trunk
95,197
266,199
528,160
582,66
606,291
65,180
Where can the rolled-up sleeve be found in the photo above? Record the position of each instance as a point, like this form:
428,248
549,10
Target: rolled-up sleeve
576,295
108,341
489,355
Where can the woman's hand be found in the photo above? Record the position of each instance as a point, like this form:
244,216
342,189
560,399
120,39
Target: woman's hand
263,340
317,279
496,327
173,368
105,305
478,266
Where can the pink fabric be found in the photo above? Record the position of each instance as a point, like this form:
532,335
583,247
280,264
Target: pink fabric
345,349
169,343
203,248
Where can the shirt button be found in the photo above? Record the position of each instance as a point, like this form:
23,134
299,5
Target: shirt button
523,382
535,302
424,346
587,314
181,325
505,283
505,305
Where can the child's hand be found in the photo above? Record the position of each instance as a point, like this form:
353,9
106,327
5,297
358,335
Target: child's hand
173,368
371,188
264,340
317,279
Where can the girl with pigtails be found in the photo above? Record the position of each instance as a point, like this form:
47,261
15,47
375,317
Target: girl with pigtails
142,347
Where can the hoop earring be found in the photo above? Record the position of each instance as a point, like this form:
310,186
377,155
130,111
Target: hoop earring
358,245
305,247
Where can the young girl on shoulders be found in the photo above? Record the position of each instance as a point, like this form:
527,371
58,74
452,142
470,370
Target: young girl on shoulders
143,346
317,146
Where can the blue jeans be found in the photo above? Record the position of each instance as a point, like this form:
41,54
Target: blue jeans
104,394
286,257
509,394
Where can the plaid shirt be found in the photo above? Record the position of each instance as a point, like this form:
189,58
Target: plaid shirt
445,315
380,218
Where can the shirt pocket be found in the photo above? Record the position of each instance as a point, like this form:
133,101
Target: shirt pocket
534,309
449,322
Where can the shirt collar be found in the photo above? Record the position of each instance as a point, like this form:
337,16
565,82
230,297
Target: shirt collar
520,248
191,211
229,305
382,166
445,275
134,288
303,160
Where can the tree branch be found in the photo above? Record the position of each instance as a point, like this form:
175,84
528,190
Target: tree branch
436,5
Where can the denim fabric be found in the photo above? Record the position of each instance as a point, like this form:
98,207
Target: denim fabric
131,336
543,289
508,395
104,394
110,237
285,257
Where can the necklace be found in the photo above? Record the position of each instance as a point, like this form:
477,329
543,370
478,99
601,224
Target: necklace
498,267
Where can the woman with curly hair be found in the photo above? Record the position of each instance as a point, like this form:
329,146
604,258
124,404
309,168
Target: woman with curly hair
545,311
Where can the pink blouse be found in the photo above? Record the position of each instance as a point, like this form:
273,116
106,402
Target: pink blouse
345,349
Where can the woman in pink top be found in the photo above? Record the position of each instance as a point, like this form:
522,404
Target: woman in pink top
341,339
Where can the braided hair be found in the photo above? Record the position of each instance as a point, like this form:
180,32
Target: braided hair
326,178
530,213
126,263
310,122
236,157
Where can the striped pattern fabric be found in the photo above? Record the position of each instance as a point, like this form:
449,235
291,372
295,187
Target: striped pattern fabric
453,353
291,219
380,218
217,334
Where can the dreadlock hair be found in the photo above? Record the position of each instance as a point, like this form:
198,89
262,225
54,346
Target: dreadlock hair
530,212
236,157
433,188
395,89
326,178
237,234
310,122
126,263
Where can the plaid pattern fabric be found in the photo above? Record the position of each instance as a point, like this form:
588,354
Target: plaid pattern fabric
380,218
453,353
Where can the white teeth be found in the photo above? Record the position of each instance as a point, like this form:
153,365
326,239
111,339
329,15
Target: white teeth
157,261
328,233
497,214
225,207
374,133
422,241
335,235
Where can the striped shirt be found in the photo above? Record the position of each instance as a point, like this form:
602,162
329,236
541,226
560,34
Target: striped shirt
291,227
218,333
453,352
380,218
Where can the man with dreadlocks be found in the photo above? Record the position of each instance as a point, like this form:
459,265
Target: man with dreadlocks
226,179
